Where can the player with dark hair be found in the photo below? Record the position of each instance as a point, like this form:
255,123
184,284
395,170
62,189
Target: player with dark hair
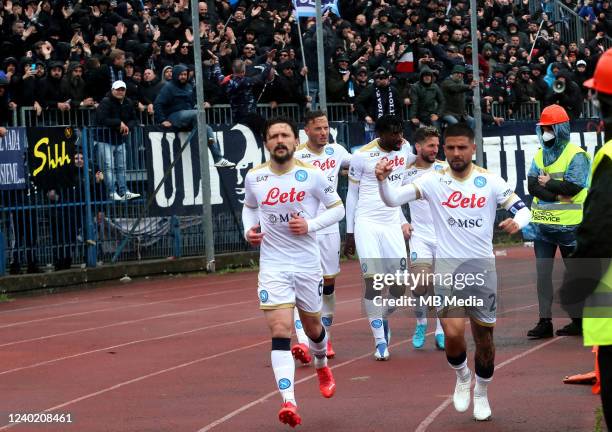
377,231
463,200
281,214
330,159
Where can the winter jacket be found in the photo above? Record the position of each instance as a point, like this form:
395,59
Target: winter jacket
426,99
110,114
174,96
454,97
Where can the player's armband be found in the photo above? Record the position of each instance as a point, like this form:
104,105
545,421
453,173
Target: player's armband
516,206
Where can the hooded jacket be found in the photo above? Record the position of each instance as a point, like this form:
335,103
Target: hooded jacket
51,93
574,180
75,90
174,96
426,99
239,90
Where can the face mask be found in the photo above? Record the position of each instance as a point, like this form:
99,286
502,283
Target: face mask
548,136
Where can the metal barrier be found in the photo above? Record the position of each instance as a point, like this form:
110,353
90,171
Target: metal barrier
222,114
572,27
54,117
525,111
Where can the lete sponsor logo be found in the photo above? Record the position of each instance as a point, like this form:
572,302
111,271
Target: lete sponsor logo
456,200
327,164
396,161
275,196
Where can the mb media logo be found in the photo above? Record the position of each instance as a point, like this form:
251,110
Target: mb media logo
464,223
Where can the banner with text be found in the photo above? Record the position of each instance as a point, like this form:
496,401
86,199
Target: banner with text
51,152
12,159
181,193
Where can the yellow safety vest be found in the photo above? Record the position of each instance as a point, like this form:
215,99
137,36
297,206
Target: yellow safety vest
598,331
558,212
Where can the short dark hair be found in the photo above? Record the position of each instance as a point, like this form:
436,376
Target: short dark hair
311,115
389,124
423,133
280,120
459,130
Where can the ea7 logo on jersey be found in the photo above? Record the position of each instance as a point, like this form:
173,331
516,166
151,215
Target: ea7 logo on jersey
275,196
456,199
465,223
374,154
261,178
305,156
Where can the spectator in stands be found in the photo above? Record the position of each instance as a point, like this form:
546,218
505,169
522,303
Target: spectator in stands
51,96
453,91
115,71
116,113
525,88
570,98
379,99
239,87
289,85
175,108
148,90
339,81
581,75
5,111
73,86
427,99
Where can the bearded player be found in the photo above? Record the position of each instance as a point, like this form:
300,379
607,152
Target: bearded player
463,201
423,234
281,214
330,159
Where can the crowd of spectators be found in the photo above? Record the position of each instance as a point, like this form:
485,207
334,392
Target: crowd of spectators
65,54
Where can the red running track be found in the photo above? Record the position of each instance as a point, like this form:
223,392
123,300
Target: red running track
192,354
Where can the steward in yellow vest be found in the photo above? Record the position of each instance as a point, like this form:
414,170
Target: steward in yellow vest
589,273
557,180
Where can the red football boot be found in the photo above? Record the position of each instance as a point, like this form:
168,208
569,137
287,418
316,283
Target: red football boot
302,353
327,384
288,414
330,350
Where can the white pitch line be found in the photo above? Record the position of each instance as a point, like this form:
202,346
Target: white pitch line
55,360
130,294
160,372
36,339
267,396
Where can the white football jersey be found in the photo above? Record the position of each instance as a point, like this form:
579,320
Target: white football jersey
331,159
370,207
277,195
463,211
420,215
